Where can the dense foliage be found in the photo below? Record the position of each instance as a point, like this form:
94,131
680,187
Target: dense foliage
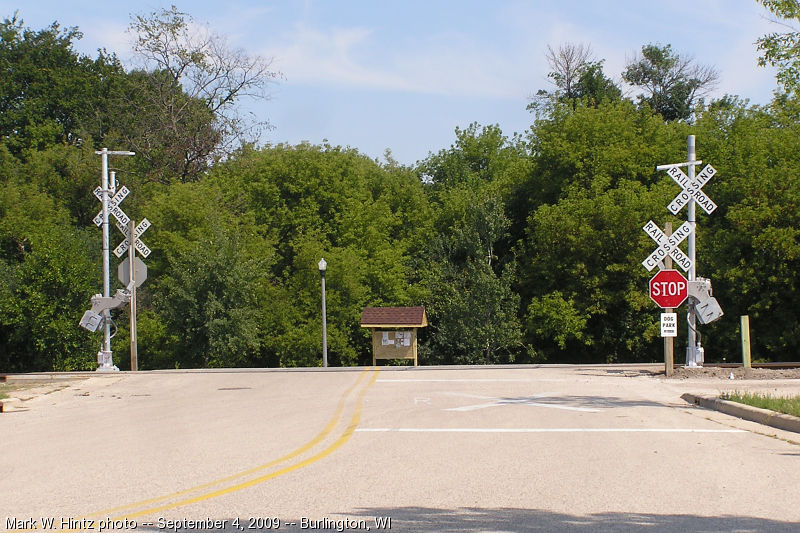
523,248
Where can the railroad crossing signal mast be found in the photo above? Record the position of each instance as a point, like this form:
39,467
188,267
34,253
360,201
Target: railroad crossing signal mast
702,305
102,305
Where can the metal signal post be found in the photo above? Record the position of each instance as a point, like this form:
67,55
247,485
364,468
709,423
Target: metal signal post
693,348
104,356
691,195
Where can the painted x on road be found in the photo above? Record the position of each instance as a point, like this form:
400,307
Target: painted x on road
504,401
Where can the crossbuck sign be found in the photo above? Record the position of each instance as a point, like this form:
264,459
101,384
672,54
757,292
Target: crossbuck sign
143,250
667,246
692,189
113,206
122,222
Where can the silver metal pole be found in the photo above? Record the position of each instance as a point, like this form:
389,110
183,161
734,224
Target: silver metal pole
132,282
692,358
324,325
105,358
105,361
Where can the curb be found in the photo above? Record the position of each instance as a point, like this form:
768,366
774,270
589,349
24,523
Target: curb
9,404
747,412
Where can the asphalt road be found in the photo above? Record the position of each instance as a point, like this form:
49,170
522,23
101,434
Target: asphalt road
557,448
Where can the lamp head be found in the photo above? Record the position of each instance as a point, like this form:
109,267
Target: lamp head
322,265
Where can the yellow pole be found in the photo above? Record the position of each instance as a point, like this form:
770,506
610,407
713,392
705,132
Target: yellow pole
745,327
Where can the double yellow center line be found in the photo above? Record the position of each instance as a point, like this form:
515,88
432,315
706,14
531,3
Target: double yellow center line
209,490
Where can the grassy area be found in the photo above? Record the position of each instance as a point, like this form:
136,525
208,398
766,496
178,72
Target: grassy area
5,388
786,405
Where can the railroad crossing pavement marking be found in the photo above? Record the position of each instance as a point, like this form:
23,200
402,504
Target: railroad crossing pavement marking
530,400
496,380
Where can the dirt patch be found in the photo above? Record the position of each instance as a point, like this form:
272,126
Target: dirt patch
25,391
737,373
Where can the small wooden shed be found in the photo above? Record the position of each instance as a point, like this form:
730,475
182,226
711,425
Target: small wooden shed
394,331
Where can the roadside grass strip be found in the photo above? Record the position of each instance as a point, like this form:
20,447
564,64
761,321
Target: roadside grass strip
788,405
217,487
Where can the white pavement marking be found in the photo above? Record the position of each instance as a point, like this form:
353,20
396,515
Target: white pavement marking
498,402
546,430
465,380
521,401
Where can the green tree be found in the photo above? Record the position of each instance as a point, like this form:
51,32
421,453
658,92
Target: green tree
181,113
468,269
48,93
672,83
577,146
582,287
576,77
588,291
210,296
368,221
594,86
749,246
46,279
782,49
472,307
68,174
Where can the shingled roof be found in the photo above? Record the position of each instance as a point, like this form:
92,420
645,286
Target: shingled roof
394,317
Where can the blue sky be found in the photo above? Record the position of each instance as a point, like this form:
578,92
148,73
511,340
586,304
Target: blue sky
403,75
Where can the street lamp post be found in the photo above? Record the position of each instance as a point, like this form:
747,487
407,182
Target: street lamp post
322,267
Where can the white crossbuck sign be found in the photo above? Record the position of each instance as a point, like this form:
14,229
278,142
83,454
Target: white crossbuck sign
692,189
667,246
113,206
143,250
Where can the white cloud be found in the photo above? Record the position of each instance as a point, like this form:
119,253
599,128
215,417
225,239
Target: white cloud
450,64
330,56
111,34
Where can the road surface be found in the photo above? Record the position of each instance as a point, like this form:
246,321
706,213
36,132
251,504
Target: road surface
551,448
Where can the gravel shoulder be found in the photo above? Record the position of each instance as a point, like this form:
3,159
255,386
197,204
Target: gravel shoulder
739,373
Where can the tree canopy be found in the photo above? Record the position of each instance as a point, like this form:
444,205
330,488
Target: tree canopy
672,83
523,248
782,49
577,77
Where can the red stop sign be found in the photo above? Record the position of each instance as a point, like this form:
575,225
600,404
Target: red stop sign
669,288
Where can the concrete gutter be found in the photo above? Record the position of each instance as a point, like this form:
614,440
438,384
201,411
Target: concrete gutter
747,412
